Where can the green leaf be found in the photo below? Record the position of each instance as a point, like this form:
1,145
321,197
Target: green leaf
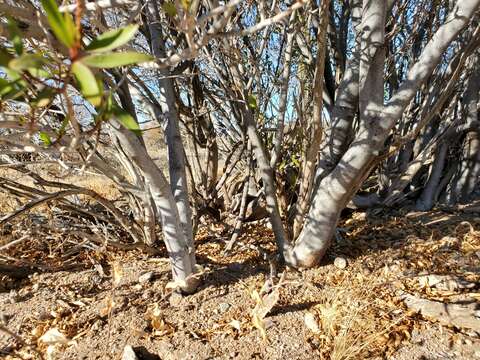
111,60
11,89
126,119
61,24
5,57
45,138
26,61
63,126
43,98
39,73
5,87
169,9
112,39
15,36
87,83
252,102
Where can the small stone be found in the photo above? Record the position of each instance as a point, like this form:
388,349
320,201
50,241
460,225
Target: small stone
223,307
311,323
129,353
97,325
476,355
175,299
13,297
4,318
145,278
340,263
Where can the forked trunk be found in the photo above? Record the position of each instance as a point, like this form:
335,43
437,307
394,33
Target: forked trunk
376,122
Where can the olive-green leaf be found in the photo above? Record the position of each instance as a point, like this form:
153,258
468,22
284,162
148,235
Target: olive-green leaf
61,25
26,61
15,36
39,73
87,83
170,9
6,87
45,138
5,57
252,102
111,60
112,39
126,119
43,98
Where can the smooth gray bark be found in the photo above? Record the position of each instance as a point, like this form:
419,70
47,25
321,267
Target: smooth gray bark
338,132
169,118
337,188
177,246
315,127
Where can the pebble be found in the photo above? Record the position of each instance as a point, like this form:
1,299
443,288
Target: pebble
13,297
175,299
129,353
223,307
340,263
4,318
145,278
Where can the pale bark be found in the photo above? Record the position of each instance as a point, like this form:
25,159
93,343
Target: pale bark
176,152
243,204
427,198
178,248
470,166
346,105
282,101
315,127
337,188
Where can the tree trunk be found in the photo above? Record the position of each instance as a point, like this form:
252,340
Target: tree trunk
179,251
315,128
470,166
169,118
375,124
346,106
427,199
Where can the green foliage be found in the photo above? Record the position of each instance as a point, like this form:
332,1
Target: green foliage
87,82
62,24
45,138
112,39
115,59
5,58
125,119
15,36
169,9
24,69
43,98
252,102
10,89
26,61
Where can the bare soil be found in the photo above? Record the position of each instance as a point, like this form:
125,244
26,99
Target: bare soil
357,311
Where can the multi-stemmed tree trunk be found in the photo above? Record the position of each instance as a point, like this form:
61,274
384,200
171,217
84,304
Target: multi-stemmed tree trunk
177,244
314,133
376,121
